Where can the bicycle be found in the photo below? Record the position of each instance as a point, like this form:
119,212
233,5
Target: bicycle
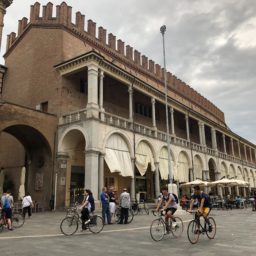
159,228
17,220
70,224
196,228
118,215
140,207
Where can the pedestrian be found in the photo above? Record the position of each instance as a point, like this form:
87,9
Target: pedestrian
7,204
112,202
104,198
125,202
27,205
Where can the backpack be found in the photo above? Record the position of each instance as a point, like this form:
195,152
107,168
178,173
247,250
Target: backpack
6,204
176,198
91,201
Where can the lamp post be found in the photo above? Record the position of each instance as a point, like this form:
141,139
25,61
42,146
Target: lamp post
163,30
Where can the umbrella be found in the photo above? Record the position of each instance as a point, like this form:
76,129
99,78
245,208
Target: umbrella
224,182
241,183
196,182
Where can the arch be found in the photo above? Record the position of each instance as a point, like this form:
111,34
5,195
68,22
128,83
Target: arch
212,169
68,130
144,156
198,167
183,167
223,170
239,173
232,171
124,137
118,156
163,163
251,178
152,148
246,175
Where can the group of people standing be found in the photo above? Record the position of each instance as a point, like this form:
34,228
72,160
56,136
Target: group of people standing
109,200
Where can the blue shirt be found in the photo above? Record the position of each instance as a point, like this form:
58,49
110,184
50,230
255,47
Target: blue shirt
104,198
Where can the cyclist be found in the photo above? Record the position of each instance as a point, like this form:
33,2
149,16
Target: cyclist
204,204
169,206
7,203
86,208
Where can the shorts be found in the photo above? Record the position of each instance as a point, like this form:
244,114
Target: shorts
206,210
112,207
172,210
8,213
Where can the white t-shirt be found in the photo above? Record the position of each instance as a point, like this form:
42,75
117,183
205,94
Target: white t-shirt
27,201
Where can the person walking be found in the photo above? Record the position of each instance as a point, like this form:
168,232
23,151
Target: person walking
104,198
125,202
27,205
7,204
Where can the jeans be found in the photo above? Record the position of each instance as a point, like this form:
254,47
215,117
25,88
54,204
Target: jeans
106,213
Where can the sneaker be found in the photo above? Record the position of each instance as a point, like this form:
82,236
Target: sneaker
87,222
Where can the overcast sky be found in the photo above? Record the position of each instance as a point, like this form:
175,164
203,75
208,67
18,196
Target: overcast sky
210,45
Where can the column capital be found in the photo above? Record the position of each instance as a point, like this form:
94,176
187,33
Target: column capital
186,117
153,100
171,109
130,89
101,73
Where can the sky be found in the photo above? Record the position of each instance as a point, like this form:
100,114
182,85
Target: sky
210,45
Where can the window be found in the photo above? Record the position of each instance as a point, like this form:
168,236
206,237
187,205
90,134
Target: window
44,106
143,110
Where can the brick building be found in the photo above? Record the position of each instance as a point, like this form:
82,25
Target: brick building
86,110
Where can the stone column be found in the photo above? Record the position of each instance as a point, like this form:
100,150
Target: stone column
157,181
187,127
153,101
200,133
232,147
251,154
239,150
92,104
101,96
92,171
101,173
172,121
245,153
133,196
130,91
224,143
214,140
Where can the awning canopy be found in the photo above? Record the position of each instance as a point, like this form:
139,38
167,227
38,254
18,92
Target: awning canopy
144,156
163,164
118,156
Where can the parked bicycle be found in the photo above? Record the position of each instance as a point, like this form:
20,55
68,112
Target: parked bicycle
159,227
70,224
196,227
141,207
118,215
17,220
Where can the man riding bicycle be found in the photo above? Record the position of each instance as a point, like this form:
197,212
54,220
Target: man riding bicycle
168,204
204,204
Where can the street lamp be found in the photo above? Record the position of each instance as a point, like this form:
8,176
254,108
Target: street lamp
162,30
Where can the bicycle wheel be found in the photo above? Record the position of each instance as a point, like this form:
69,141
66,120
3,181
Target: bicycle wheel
135,209
1,227
193,232
130,216
211,231
117,215
157,230
177,227
17,220
146,209
69,226
96,224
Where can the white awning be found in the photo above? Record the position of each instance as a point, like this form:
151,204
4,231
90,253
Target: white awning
144,156
118,157
163,164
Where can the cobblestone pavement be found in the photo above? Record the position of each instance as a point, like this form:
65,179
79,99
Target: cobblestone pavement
41,235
